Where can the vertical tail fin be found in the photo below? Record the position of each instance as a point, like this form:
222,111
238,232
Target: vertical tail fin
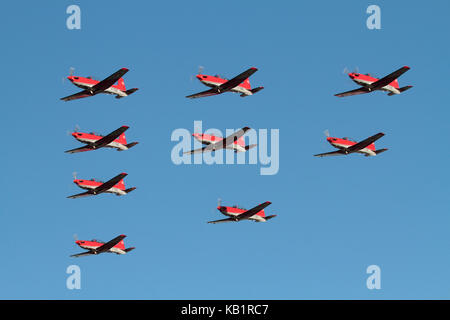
121,84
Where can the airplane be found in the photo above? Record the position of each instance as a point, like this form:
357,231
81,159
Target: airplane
92,87
236,214
115,139
234,142
115,185
95,247
389,83
239,84
347,146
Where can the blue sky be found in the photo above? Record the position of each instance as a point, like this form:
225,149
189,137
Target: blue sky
336,216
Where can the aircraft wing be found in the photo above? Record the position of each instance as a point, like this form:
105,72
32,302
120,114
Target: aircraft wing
108,82
230,84
389,78
222,220
207,93
353,92
79,95
200,150
110,244
233,137
362,144
110,137
80,195
247,214
80,149
333,153
110,183
227,141
87,253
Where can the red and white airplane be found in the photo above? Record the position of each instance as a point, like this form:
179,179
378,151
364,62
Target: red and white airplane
234,142
92,87
115,139
389,83
239,84
236,214
347,146
95,247
115,185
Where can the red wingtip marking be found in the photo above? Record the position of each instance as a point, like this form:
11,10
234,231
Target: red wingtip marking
122,235
268,202
124,69
125,127
253,68
124,173
406,67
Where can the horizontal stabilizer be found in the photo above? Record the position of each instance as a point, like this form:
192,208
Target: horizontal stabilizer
380,151
129,249
255,90
270,217
128,92
250,147
130,189
130,145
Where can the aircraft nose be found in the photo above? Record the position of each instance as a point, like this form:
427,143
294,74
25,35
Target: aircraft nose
351,75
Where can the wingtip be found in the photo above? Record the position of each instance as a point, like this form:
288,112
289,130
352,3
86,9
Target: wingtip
125,69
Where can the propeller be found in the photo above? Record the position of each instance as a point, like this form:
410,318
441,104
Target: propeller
327,133
75,129
74,175
75,237
200,70
347,71
71,70
219,202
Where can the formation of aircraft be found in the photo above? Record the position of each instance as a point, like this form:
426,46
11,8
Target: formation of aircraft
94,187
92,87
239,84
237,214
347,146
234,142
389,83
115,139
95,247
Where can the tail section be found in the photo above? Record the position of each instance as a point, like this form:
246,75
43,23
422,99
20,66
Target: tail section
120,245
255,90
128,92
401,90
120,185
121,84
380,151
130,189
122,139
132,144
405,88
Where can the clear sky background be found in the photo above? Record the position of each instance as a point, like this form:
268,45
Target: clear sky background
336,216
